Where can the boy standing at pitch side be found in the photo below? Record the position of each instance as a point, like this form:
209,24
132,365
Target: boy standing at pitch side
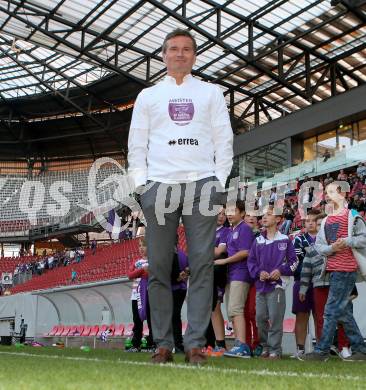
302,308
237,246
271,262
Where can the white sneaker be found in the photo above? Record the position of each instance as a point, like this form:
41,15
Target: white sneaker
346,353
299,352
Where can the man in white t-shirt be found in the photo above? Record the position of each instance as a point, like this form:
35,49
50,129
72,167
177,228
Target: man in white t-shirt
50,261
181,138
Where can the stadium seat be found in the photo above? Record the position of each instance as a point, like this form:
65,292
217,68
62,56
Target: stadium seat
59,330
53,331
119,330
182,243
129,330
94,330
86,330
73,331
103,328
289,325
80,329
228,333
145,331
112,328
66,330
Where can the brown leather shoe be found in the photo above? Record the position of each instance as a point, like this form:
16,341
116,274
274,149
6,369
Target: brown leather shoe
196,356
161,356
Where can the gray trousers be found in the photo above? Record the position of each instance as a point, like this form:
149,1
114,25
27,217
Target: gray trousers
270,312
161,239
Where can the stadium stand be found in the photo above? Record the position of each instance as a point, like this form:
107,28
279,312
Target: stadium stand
9,263
14,219
109,262
112,261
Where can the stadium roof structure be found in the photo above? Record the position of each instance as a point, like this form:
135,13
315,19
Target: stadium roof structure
70,69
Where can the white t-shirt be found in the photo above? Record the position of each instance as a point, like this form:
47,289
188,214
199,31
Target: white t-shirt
180,133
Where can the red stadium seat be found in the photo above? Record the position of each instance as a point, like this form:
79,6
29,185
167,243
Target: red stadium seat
119,330
73,331
182,243
59,330
145,330
103,328
80,329
228,333
129,330
184,327
289,325
66,330
94,330
112,328
86,331
53,331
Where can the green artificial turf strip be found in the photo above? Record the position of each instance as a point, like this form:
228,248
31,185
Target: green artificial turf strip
52,368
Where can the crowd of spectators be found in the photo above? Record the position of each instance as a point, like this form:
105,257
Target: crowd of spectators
292,217
24,271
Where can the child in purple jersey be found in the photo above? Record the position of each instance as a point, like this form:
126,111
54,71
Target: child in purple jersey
237,245
139,270
271,262
220,278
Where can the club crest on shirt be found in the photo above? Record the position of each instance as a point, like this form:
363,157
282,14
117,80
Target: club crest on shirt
282,246
235,235
181,111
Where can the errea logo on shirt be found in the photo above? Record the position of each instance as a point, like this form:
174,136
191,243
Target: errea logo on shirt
184,141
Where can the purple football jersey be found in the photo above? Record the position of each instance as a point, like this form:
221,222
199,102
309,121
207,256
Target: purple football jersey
268,255
221,235
238,239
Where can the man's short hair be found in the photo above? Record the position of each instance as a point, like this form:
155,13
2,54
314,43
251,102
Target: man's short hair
179,32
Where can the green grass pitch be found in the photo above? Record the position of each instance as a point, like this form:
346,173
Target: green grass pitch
51,368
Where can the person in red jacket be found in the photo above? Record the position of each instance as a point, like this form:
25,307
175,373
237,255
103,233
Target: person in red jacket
139,270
